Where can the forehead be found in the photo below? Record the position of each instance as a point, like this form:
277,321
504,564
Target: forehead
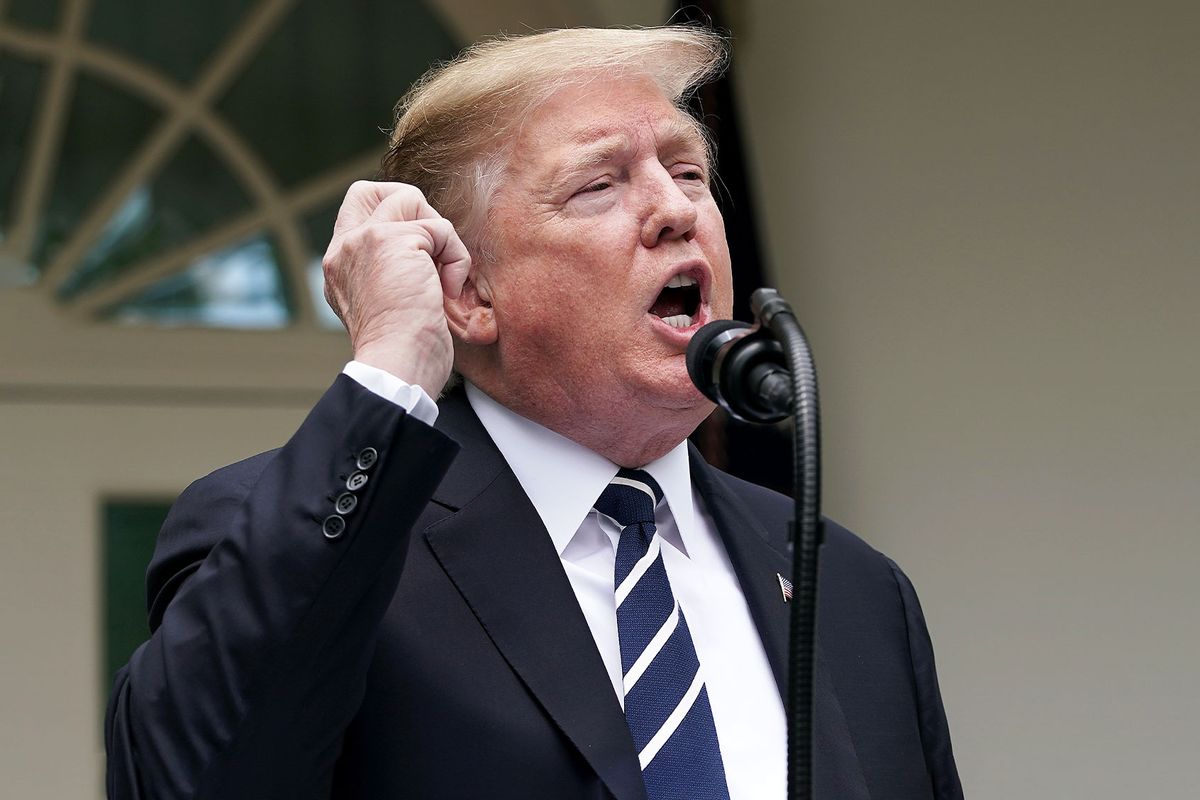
600,119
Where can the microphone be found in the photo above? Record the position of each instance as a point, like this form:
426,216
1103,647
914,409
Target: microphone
754,373
742,369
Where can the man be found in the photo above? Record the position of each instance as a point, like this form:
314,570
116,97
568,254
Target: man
546,594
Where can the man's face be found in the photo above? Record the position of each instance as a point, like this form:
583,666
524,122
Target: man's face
609,254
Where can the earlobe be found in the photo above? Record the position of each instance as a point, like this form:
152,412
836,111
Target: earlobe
470,315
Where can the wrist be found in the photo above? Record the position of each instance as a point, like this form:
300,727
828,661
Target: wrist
414,368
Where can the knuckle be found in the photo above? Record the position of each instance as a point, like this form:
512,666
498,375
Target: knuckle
412,191
329,265
425,228
367,236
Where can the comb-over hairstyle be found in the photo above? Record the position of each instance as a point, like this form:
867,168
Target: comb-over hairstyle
452,128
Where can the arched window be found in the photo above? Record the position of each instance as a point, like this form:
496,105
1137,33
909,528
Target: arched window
181,163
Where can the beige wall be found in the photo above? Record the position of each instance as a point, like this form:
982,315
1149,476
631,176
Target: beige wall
986,214
70,458
74,432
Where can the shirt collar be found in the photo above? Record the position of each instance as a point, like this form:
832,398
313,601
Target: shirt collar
563,478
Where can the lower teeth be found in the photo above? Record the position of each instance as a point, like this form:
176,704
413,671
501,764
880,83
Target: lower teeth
678,320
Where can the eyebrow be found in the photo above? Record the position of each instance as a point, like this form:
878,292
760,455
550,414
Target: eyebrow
683,132
600,148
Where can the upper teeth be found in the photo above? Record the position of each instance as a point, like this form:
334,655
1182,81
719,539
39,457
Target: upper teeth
680,281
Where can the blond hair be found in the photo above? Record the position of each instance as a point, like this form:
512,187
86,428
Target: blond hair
452,128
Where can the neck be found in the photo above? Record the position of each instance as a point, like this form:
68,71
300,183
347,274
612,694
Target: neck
629,434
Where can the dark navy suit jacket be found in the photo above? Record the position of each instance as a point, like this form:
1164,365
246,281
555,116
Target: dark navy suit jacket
435,648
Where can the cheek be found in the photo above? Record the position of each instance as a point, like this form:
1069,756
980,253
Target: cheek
722,289
539,315
567,284
723,298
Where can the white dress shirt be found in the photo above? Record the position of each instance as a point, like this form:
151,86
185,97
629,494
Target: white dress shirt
563,479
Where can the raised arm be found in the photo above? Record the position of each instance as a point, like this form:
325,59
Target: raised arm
270,576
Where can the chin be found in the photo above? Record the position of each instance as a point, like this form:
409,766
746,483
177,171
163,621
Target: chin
674,390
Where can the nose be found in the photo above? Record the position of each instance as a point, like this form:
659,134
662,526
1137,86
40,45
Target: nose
670,213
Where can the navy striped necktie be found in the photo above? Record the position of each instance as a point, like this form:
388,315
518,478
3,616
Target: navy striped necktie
666,702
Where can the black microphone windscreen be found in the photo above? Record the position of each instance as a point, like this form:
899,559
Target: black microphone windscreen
697,347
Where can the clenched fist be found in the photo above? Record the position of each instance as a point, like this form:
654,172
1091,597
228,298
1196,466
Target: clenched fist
390,262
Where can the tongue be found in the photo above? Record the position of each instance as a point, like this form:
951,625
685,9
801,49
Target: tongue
668,304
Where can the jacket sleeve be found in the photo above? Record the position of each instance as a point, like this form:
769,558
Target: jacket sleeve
264,616
931,714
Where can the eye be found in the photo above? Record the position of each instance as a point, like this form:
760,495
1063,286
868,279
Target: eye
598,186
690,174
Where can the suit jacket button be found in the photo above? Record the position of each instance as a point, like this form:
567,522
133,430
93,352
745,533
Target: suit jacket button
367,457
333,527
356,481
345,503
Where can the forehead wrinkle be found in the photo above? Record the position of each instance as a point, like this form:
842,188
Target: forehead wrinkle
578,145
598,145
593,149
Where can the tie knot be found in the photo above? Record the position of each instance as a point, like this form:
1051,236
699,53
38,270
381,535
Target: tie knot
630,497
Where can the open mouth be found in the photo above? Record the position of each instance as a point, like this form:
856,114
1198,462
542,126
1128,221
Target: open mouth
678,302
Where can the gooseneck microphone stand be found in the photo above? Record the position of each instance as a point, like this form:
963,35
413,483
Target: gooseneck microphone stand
764,375
777,316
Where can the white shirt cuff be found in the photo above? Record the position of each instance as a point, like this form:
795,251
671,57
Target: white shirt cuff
412,399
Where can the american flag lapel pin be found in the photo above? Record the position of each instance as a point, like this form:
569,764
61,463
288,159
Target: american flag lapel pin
785,586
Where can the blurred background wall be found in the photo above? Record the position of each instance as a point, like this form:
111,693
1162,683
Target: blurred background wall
985,214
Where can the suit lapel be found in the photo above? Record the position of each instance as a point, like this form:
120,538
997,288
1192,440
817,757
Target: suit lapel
498,554
837,771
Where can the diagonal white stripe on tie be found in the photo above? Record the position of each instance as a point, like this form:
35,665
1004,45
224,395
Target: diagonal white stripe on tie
664,733
666,704
651,652
639,569
637,485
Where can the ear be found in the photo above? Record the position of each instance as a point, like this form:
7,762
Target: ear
470,315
